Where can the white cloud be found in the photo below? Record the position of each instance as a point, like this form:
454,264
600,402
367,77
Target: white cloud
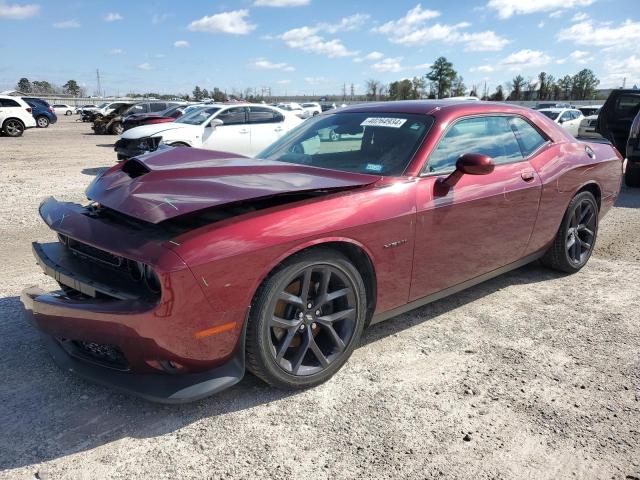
579,17
482,68
281,3
315,80
116,51
602,35
157,18
346,24
13,11
525,59
411,30
620,70
67,24
577,56
112,17
374,56
507,8
159,55
541,24
556,14
423,66
283,82
264,64
308,40
405,25
233,22
483,41
180,44
145,66
388,65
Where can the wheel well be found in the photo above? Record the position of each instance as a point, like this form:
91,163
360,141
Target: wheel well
12,118
595,191
360,260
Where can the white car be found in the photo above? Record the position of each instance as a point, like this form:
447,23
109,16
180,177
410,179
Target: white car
296,108
587,127
243,129
312,108
15,116
62,109
568,118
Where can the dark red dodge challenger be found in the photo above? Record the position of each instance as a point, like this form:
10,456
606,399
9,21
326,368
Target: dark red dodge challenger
189,266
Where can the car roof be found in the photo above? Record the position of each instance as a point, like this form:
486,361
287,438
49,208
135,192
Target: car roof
431,106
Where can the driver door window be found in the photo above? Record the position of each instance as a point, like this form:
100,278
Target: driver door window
233,116
489,135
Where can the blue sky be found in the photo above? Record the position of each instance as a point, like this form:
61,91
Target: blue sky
311,46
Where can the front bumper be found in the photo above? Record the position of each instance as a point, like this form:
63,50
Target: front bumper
105,328
162,388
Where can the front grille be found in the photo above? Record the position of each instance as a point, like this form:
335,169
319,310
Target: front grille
101,354
592,123
93,253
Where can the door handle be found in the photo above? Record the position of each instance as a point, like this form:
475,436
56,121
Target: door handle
244,131
527,175
278,129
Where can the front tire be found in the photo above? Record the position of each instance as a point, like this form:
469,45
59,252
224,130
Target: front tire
68,112
13,128
306,320
42,122
117,128
574,242
632,175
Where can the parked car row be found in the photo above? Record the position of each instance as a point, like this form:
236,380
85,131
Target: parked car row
242,129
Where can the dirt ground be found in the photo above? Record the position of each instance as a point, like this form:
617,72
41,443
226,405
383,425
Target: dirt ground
530,375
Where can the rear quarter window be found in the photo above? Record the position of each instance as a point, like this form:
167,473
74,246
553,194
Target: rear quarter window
528,137
7,102
627,104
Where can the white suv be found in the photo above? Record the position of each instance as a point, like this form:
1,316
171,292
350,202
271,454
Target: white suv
15,116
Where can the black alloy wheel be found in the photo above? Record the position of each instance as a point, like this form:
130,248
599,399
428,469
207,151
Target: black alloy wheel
13,128
308,319
576,237
581,232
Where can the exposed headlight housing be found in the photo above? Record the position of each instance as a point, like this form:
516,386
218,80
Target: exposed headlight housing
149,144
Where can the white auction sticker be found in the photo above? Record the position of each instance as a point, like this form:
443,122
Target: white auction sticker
383,122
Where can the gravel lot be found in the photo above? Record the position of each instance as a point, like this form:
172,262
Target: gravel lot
530,375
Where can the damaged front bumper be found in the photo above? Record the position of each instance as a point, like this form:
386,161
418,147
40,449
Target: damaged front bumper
107,326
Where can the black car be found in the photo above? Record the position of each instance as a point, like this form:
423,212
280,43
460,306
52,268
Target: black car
615,124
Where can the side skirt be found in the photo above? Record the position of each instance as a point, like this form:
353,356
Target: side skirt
381,317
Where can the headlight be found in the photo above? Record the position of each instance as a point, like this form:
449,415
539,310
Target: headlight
149,144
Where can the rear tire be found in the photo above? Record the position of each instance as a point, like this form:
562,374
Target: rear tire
632,175
574,242
42,122
298,337
68,112
13,127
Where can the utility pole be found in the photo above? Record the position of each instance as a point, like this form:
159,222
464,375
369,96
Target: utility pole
624,82
98,82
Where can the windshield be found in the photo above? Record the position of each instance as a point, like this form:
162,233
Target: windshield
550,114
198,117
374,143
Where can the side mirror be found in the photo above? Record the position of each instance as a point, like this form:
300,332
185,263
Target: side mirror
215,123
561,120
468,164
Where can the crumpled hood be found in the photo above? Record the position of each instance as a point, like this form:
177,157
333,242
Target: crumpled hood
177,181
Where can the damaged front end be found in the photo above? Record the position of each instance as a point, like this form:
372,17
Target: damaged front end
128,310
